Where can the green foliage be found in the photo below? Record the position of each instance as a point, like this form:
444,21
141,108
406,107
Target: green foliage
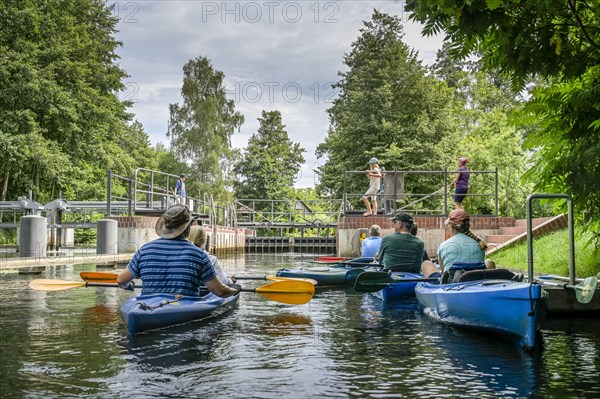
270,163
557,42
551,255
61,123
388,108
201,127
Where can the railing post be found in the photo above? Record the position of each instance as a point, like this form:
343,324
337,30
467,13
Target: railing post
108,193
445,191
345,187
570,226
497,191
129,199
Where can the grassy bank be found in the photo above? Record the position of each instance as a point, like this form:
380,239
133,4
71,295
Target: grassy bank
551,255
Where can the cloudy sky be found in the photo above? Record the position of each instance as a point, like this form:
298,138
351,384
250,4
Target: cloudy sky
276,55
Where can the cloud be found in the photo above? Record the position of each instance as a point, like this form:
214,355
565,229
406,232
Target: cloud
276,55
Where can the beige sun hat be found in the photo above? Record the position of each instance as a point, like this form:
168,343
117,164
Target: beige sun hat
173,222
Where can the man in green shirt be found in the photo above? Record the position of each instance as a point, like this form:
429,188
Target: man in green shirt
401,251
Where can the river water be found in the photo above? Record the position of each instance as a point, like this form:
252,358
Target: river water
72,344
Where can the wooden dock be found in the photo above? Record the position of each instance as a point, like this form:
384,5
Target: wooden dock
34,262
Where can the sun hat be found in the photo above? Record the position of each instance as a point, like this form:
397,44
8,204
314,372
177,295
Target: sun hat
457,216
173,222
373,160
403,217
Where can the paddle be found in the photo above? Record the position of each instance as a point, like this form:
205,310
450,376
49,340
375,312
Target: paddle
371,281
294,292
101,277
561,278
584,291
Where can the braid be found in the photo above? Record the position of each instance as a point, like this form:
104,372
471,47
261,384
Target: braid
465,229
482,244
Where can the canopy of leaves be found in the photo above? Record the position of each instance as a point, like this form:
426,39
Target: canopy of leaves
558,40
388,108
270,163
201,126
62,124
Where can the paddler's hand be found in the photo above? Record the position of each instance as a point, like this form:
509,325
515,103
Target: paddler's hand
129,287
236,287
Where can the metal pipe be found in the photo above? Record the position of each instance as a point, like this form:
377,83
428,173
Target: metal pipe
570,227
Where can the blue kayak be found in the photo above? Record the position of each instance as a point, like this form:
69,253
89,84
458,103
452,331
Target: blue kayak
400,290
149,312
511,308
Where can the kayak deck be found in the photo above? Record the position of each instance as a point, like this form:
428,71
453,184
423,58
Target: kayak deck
507,307
149,312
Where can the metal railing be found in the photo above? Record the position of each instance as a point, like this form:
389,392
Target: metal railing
401,191
287,213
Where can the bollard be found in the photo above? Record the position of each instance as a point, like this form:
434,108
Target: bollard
32,240
106,238
32,236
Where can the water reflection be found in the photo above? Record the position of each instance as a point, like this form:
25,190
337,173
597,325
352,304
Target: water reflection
342,344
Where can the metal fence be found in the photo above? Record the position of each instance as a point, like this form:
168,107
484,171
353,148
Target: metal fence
422,192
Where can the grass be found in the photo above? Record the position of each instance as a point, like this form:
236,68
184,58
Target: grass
551,255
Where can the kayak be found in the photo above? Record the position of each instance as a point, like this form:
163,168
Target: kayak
400,290
341,261
511,308
149,312
329,276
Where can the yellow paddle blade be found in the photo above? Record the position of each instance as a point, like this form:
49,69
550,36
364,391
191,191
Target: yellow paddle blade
45,284
98,277
276,278
295,292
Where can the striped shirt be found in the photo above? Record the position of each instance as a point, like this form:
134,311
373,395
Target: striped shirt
171,266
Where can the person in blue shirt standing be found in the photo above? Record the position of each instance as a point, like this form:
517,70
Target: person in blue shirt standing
179,190
171,264
370,245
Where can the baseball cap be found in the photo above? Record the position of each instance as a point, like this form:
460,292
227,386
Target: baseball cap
457,216
403,217
373,160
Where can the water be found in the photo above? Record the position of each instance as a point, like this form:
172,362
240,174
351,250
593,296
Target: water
72,343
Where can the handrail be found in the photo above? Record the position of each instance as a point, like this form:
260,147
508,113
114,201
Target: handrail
571,228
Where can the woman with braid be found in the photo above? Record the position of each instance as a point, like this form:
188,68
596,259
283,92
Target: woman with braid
463,246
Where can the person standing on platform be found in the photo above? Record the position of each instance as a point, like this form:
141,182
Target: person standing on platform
461,182
370,245
179,190
374,175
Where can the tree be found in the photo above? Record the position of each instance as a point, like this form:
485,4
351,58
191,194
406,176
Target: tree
558,44
61,120
389,108
483,104
201,127
270,162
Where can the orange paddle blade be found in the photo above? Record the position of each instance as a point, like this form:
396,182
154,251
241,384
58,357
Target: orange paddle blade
98,277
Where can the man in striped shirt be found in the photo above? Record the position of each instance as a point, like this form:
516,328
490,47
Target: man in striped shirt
171,264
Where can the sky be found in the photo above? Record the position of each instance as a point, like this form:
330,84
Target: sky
275,55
